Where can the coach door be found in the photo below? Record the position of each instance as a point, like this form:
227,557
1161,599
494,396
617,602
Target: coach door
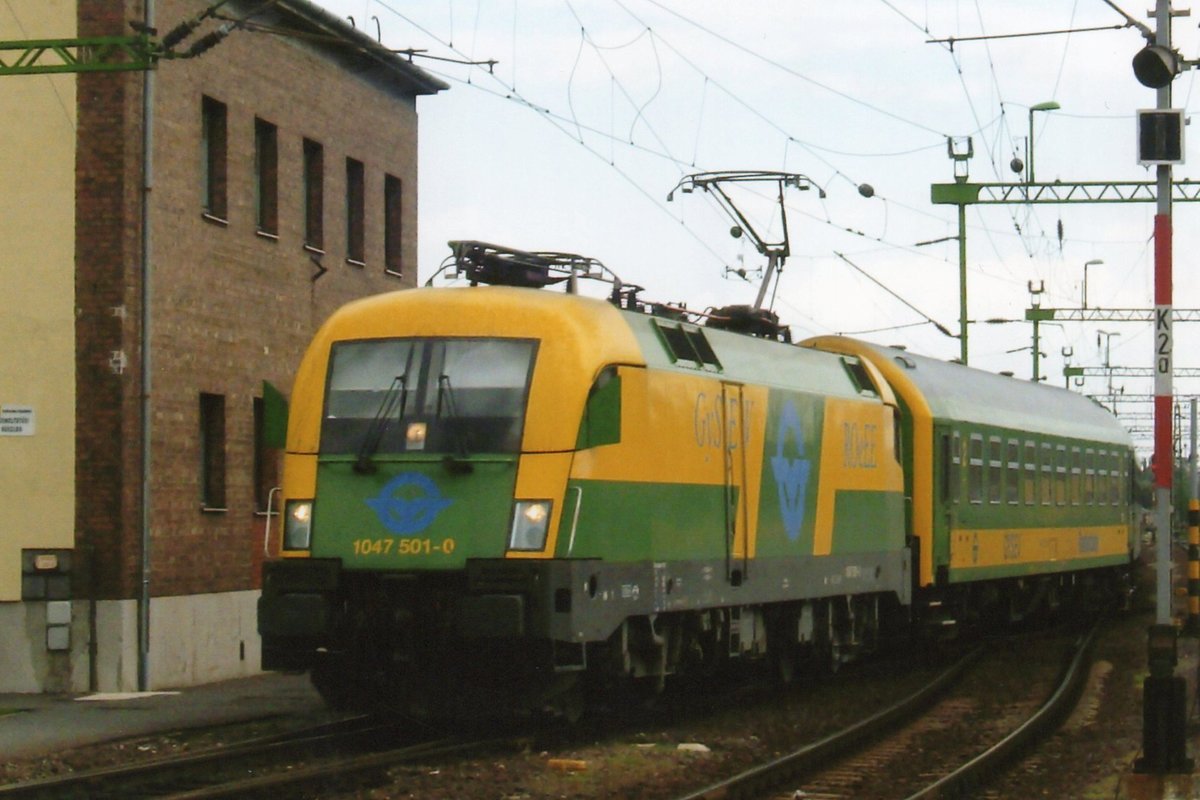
737,511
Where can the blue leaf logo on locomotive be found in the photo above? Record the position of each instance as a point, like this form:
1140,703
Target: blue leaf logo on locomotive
791,474
408,504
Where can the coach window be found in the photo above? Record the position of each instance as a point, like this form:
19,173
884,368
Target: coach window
212,452
1060,475
975,468
1030,473
1102,478
995,473
1047,481
1089,476
1012,475
1076,475
1114,478
954,462
213,115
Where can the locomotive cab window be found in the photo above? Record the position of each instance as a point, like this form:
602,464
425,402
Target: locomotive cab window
453,396
601,422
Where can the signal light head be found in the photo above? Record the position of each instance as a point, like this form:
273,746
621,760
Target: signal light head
1156,66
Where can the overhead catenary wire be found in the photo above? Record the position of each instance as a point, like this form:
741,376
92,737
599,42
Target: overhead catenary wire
940,327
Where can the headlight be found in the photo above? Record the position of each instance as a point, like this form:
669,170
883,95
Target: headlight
531,519
297,524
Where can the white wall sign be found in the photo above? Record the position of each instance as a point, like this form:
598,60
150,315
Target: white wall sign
16,420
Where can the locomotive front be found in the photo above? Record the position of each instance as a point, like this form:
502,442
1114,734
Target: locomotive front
411,455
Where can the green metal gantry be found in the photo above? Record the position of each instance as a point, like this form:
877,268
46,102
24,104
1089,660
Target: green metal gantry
84,54
963,193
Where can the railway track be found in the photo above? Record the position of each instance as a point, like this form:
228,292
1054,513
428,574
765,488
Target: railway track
266,766
893,743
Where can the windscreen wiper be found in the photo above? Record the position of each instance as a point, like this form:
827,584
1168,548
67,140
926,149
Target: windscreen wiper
455,463
396,398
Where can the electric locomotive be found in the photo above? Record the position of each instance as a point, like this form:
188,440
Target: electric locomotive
507,495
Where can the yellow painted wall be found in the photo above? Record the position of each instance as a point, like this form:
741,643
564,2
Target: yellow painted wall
37,294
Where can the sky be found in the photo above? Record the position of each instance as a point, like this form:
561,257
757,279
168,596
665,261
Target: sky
594,110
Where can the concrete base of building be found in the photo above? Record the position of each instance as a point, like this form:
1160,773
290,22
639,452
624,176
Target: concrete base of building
194,639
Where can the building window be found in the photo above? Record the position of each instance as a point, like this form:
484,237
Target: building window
314,195
212,451
393,257
355,206
266,176
213,135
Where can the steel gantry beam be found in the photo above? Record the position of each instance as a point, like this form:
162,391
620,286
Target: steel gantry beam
1039,314
1126,372
970,194
86,54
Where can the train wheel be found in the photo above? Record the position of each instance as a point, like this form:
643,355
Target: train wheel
336,684
786,661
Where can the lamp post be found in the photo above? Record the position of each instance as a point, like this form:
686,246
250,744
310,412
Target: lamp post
1107,361
1049,105
1087,264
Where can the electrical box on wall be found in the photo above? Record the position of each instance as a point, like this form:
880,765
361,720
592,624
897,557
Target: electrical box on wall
58,625
1160,136
45,574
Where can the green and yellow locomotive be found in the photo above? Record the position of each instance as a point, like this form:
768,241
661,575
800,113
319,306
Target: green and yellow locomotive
508,492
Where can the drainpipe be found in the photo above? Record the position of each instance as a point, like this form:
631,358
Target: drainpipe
147,164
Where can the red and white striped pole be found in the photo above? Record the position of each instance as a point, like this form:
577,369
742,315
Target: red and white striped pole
1164,694
1164,444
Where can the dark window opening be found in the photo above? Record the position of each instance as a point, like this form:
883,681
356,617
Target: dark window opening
314,195
214,143
266,176
393,254
355,207
212,451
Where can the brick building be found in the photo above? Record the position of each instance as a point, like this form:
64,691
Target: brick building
279,182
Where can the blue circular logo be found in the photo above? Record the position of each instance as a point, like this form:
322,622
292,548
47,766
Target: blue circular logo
408,504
